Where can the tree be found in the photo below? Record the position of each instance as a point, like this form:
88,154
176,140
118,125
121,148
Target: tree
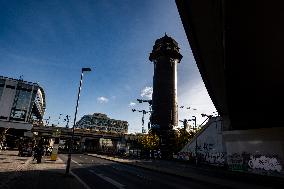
149,142
182,137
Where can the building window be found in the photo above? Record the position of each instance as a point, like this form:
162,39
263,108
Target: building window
2,83
21,105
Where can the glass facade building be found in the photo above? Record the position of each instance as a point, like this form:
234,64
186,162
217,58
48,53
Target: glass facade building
20,102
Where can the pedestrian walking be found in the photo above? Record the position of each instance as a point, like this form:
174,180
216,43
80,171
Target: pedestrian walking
38,153
35,152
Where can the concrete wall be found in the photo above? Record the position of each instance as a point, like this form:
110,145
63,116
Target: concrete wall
209,144
259,151
16,125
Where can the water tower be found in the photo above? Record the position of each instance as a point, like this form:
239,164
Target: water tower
165,57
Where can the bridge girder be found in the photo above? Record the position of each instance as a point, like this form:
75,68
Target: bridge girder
238,46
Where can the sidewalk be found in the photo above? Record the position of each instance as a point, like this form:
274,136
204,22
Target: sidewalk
22,172
210,175
10,166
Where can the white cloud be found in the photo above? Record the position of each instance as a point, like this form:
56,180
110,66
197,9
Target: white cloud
102,99
131,104
147,92
197,98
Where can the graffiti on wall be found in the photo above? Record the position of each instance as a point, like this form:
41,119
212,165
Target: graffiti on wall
266,163
217,158
248,162
238,162
185,155
207,154
206,146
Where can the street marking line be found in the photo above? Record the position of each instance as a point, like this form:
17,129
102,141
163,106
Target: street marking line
80,180
76,176
76,162
113,182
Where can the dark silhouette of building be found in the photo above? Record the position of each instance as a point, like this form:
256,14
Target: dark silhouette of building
165,56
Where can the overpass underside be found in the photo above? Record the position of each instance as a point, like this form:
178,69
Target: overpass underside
238,48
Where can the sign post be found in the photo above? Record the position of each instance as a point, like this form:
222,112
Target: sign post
56,135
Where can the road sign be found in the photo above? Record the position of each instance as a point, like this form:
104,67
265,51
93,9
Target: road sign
54,152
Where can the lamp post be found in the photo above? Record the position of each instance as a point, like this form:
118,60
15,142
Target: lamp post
67,121
73,128
143,113
47,121
207,117
58,119
150,110
196,158
184,122
142,100
194,119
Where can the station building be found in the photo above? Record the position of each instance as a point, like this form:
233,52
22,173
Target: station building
22,105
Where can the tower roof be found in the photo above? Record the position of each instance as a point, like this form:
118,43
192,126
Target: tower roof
165,46
166,39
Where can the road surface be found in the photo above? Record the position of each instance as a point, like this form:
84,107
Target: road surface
100,173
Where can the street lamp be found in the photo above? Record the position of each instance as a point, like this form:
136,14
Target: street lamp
185,107
142,100
47,121
67,119
150,102
143,113
194,119
184,122
77,104
196,158
58,119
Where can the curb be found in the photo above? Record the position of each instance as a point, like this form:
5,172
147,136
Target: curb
261,181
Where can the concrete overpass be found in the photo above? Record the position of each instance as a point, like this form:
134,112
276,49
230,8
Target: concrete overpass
79,133
238,48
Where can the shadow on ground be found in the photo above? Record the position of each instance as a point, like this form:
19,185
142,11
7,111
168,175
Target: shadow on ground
38,179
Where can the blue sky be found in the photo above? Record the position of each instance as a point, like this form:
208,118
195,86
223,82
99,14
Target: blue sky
49,41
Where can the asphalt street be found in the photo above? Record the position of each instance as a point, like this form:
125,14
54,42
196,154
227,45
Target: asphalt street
100,173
